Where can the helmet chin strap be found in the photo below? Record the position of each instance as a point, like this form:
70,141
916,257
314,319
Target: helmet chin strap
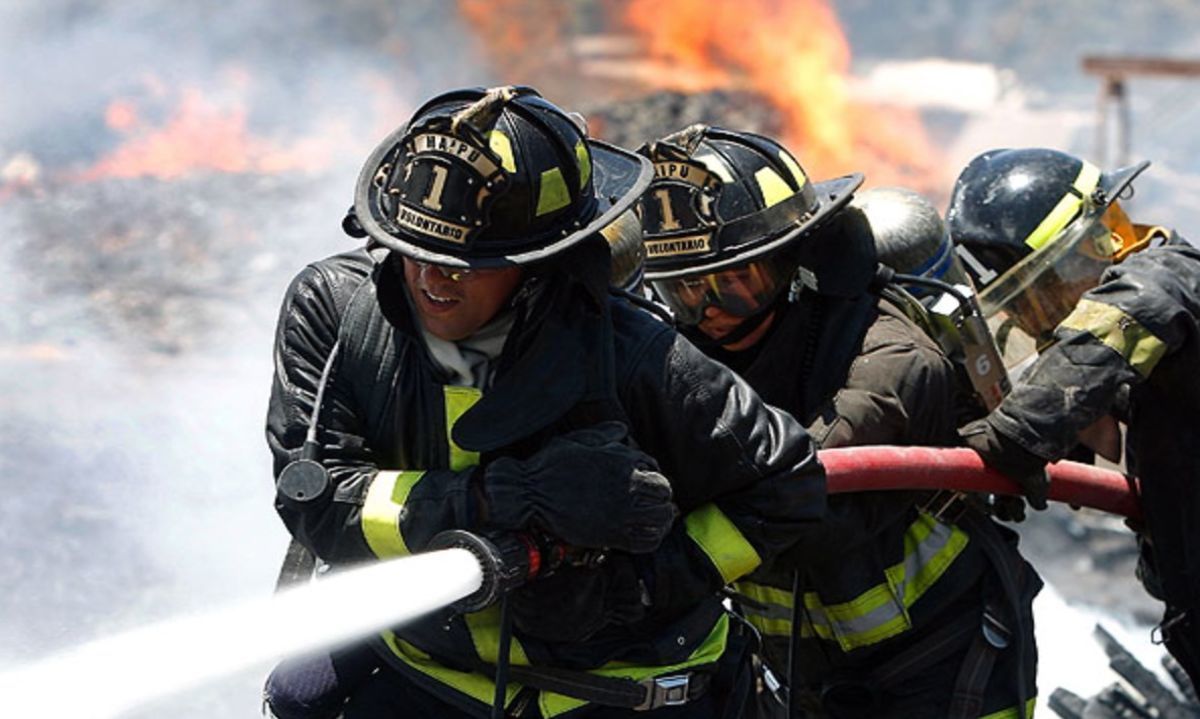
747,326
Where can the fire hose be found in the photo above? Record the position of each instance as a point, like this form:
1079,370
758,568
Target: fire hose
863,469
510,561
507,561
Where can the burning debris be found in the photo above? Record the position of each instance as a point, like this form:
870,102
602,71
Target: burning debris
634,121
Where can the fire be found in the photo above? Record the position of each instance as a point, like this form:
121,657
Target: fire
200,135
795,55
524,41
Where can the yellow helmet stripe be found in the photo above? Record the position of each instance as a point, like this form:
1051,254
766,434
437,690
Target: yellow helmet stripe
584,159
553,193
773,187
792,165
502,146
1066,209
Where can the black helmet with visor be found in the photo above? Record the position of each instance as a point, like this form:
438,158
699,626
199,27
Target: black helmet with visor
720,209
1036,228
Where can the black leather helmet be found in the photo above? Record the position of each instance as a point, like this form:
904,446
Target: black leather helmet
490,178
721,198
1008,203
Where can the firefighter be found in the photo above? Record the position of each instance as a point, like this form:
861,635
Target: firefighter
1112,308
485,379
889,607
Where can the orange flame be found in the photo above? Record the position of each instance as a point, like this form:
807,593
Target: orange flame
523,41
794,54
199,136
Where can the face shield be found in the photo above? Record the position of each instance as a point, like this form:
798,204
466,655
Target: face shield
740,291
1025,304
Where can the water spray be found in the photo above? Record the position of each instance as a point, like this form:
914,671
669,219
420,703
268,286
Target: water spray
113,675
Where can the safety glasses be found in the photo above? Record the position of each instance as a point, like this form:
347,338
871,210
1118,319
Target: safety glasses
739,291
455,274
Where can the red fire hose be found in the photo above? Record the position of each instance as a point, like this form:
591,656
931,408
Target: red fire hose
860,469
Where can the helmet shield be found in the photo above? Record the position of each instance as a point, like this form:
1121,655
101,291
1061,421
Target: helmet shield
1037,293
740,291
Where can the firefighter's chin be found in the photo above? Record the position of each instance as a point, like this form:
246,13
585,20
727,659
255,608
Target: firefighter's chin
720,324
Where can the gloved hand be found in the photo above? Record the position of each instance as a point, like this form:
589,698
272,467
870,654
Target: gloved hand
1007,456
587,487
574,603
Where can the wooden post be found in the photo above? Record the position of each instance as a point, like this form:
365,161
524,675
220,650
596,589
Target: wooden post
1114,72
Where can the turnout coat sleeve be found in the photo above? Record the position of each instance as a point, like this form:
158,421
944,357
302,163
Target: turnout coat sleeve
308,325
745,475
899,390
375,511
1143,309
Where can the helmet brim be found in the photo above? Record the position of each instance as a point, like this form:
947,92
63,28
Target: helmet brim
1115,182
832,195
619,177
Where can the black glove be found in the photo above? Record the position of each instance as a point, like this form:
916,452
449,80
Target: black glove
586,487
576,602
1011,459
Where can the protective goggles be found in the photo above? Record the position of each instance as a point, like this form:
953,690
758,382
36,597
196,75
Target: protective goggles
1029,301
455,274
739,291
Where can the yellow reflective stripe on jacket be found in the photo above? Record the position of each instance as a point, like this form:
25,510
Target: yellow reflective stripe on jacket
722,541
1011,712
1109,324
484,627
473,684
481,687
774,617
458,400
381,511
1067,207
879,613
709,651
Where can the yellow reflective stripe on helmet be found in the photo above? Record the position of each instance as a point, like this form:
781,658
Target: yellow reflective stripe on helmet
1138,345
477,686
709,651
1011,712
797,173
930,547
722,541
380,521
457,401
552,193
1066,209
774,617
774,188
484,626
584,159
502,146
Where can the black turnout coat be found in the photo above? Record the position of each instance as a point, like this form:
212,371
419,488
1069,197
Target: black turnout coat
401,447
